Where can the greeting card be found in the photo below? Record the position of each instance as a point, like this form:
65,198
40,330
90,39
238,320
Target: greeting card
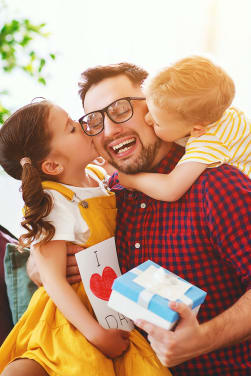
99,267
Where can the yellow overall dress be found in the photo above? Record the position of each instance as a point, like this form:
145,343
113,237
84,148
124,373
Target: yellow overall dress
44,335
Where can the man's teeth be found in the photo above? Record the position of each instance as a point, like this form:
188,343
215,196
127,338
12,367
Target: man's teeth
122,150
116,147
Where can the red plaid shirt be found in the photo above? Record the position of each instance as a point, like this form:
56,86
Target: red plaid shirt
204,238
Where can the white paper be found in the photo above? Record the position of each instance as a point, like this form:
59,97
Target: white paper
98,266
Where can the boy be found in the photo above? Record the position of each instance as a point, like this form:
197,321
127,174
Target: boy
192,98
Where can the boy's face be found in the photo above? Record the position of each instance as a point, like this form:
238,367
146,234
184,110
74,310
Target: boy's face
168,125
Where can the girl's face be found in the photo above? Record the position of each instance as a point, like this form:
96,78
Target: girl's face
70,146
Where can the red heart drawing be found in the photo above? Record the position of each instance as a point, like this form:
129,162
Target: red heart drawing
102,286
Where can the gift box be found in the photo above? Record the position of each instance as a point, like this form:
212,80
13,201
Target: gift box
145,292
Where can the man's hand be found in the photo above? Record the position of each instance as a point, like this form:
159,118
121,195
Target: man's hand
185,342
72,271
32,270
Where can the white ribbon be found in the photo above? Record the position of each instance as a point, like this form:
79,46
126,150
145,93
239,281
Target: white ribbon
159,281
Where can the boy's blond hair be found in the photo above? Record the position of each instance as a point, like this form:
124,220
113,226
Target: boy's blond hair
194,87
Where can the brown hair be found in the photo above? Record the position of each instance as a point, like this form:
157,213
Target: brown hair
194,87
93,76
25,134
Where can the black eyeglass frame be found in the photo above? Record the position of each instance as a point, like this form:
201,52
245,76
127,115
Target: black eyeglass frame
103,111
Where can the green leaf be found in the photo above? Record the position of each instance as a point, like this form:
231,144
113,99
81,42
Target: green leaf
15,25
4,113
29,69
26,40
41,80
17,52
41,65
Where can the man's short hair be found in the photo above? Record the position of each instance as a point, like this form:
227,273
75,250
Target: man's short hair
93,76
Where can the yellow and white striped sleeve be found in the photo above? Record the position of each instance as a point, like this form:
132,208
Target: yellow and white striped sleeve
206,149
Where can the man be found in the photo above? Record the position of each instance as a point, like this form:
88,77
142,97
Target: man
204,237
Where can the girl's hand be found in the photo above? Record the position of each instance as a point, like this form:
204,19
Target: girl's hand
113,342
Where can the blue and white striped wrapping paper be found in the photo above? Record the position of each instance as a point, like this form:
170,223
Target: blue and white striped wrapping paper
126,286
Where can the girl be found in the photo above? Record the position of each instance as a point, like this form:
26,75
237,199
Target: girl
58,334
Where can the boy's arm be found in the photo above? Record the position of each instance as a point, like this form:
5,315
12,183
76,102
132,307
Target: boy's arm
51,261
165,187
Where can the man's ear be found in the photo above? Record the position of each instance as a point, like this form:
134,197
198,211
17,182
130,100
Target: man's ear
149,120
50,167
198,130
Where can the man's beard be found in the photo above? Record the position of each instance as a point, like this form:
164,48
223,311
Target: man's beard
143,163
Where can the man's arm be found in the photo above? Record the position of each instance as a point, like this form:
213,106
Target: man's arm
190,339
72,272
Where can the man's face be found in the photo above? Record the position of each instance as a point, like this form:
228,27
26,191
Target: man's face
131,146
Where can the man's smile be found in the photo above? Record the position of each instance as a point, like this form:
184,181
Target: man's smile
123,147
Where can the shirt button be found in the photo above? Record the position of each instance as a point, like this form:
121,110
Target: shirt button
137,245
143,205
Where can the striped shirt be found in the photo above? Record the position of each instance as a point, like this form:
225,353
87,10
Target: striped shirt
228,140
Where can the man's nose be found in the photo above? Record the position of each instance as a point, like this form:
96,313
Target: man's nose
111,129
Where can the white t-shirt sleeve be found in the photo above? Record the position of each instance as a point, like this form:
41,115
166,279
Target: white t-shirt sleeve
63,217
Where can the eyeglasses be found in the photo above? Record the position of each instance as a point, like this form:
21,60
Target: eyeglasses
118,111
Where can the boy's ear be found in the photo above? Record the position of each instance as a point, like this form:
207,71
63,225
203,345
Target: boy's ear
50,167
198,130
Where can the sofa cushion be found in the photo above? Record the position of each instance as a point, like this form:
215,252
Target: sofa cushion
5,312
19,286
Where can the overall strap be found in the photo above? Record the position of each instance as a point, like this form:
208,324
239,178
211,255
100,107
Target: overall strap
96,171
68,193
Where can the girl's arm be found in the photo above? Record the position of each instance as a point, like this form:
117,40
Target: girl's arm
51,261
165,187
